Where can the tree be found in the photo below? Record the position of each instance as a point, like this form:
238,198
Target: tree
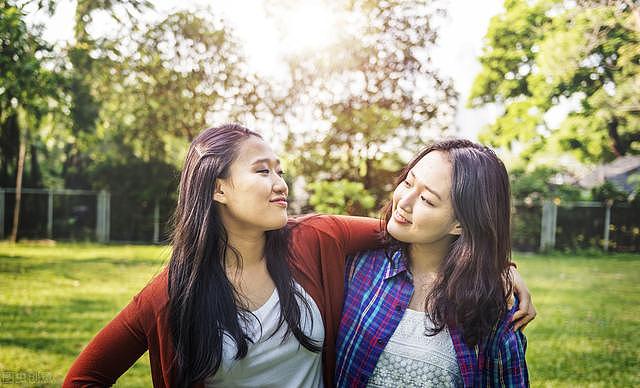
89,62
165,82
542,54
537,185
168,79
159,85
26,91
126,103
340,197
375,95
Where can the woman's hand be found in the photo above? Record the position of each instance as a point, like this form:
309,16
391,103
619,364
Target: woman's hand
526,310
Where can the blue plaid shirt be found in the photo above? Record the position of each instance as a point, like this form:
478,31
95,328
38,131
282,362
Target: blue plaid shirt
378,291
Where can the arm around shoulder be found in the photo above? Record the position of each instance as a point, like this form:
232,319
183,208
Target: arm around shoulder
348,234
359,233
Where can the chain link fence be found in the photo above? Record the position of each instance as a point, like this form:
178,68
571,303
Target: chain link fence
576,226
138,220
83,215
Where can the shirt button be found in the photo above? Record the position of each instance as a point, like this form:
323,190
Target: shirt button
398,307
380,341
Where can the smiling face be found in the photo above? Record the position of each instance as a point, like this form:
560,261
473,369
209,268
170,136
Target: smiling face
254,195
422,212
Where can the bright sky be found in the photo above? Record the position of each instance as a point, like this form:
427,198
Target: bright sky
459,47
460,38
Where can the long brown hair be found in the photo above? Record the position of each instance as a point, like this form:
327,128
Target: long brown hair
203,303
472,287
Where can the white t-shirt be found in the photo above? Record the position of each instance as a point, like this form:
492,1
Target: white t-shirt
269,361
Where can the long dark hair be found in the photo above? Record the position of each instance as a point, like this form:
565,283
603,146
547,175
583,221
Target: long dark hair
473,283
203,303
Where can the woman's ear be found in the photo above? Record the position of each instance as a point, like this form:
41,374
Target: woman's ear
218,192
456,229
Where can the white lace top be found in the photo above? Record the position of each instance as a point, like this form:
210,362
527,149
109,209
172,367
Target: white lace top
411,359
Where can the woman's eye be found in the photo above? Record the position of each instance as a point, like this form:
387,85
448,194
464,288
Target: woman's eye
407,183
422,197
263,171
281,173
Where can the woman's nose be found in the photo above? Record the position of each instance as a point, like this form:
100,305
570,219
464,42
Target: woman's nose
280,185
406,201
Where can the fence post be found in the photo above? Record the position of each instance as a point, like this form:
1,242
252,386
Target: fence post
1,213
548,225
50,215
102,219
156,222
607,223
107,217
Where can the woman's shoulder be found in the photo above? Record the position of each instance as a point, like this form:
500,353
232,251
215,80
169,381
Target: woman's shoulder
374,255
154,297
305,222
504,336
379,259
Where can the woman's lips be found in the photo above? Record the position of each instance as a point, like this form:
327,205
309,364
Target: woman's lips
279,202
400,219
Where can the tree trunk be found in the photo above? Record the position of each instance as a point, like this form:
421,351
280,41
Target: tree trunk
35,173
9,149
619,147
16,208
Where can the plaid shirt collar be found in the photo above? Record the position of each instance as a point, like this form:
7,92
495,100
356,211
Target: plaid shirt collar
397,264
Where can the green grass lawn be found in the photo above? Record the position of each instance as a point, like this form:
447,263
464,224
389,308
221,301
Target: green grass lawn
53,299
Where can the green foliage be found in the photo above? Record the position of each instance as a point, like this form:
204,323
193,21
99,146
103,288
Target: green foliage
534,186
341,197
90,62
609,192
634,181
375,93
539,54
156,86
25,83
529,189
138,95
30,93
161,89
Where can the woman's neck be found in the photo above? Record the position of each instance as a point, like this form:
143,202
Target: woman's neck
249,245
248,273
426,258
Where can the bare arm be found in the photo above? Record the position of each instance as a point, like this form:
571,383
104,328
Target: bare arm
526,311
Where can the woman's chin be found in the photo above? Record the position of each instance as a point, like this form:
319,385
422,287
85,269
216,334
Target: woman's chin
396,231
279,223
391,229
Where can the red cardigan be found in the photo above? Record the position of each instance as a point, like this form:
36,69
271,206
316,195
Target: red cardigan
319,246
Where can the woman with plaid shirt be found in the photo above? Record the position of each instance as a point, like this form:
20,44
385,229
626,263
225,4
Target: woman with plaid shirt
431,308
